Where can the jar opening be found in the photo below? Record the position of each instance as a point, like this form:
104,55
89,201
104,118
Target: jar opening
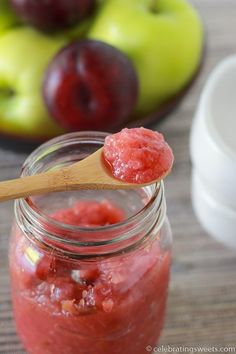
144,207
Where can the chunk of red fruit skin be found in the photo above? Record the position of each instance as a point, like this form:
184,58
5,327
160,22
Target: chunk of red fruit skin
45,267
138,155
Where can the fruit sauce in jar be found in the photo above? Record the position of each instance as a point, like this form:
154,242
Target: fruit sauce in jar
89,269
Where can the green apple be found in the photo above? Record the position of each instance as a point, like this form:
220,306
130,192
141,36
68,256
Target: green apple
78,31
163,38
24,57
7,17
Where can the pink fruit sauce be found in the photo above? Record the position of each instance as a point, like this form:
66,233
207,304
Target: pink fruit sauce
101,305
90,213
138,155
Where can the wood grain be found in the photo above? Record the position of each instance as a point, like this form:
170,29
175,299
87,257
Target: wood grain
202,300
90,173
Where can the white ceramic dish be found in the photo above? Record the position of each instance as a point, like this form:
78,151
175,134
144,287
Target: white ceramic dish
217,219
213,134
213,154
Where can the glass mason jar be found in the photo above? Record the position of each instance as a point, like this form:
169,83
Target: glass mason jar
88,289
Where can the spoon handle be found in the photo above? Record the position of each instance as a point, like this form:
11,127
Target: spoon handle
33,185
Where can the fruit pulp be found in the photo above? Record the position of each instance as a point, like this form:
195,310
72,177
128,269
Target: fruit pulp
138,155
109,305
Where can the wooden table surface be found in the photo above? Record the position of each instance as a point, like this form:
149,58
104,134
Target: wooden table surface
202,299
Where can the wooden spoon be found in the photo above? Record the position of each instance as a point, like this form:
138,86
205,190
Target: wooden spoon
90,173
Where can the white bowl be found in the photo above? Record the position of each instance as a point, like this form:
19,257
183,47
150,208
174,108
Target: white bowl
217,219
213,134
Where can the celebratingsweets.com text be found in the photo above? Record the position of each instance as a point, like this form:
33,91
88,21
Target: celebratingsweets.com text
189,349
